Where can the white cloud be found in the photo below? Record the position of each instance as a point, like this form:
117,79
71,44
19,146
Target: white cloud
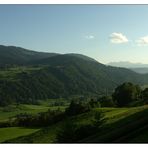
118,38
89,37
143,41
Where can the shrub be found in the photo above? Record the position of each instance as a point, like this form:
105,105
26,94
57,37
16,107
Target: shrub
72,132
106,101
76,108
126,93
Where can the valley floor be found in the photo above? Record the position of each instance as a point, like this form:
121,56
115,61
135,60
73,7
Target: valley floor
123,125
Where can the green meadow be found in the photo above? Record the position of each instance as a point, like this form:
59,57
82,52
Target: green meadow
14,132
122,124
10,111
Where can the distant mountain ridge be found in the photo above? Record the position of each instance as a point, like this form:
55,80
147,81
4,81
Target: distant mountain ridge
141,70
136,67
127,64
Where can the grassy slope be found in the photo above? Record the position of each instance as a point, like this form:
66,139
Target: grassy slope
5,113
118,122
13,132
10,111
10,73
123,128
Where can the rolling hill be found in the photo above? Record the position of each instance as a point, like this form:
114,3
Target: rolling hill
61,75
12,55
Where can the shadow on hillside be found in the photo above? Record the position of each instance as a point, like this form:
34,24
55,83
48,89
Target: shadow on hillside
121,131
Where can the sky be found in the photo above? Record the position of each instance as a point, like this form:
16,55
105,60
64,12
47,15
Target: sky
108,33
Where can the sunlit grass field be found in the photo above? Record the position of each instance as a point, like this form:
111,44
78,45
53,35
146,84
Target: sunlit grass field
118,122
11,111
13,132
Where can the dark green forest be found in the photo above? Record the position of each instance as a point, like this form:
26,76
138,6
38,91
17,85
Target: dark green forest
28,76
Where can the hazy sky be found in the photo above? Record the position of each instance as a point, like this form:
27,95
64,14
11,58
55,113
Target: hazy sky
104,32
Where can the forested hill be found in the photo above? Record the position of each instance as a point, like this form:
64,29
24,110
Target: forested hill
58,76
12,55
